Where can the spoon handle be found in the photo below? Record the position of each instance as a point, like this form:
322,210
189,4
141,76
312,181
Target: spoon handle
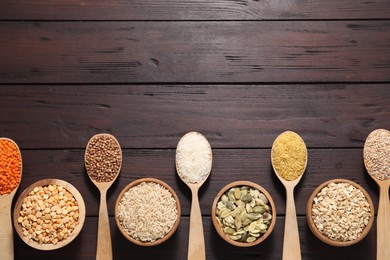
104,248
383,225
196,246
291,245
6,233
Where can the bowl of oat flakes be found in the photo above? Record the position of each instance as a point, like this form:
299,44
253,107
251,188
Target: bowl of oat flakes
49,214
147,212
340,212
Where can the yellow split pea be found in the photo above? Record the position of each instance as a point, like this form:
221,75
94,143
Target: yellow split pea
289,155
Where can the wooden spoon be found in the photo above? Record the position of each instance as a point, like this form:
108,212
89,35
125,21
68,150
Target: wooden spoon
104,247
6,232
371,161
291,244
196,245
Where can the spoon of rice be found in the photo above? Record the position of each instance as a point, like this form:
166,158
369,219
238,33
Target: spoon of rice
193,165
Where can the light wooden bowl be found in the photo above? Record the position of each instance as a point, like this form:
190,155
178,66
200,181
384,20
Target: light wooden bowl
45,182
323,237
218,227
173,229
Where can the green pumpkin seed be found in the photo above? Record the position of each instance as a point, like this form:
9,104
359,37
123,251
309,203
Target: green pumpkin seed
240,232
254,216
263,198
229,230
251,239
230,205
225,213
252,226
235,237
224,199
254,193
237,222
229,219
248,208
237,193
246,198
259,209
243,192
262,227
246,222
243,215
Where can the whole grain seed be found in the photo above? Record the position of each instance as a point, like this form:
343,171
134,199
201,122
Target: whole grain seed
289,155
377,154
10,166
341,212
103,158
38,215
147,211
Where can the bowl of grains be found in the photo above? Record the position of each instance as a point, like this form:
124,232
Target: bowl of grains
243,213
147,212
49,214
340,212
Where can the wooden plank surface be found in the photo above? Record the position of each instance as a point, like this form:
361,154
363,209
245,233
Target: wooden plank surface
239,71
192,10
196,52
156,116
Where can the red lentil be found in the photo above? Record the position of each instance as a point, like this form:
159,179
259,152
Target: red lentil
10,166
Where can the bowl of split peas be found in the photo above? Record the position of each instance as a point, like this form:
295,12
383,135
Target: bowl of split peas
49,214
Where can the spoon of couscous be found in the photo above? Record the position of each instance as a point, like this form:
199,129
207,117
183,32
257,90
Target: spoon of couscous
289,160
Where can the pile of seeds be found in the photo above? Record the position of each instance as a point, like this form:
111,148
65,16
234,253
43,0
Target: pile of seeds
147,211
341,212
377,154
49,214
289,156
103,158
10,166
193,157
244,214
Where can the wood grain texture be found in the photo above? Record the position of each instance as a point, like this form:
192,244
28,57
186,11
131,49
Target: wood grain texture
156,116
229,165
196,52
192,10
176,247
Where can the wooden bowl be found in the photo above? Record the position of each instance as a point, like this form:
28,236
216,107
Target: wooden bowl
325,238
218,227
45,182
174,227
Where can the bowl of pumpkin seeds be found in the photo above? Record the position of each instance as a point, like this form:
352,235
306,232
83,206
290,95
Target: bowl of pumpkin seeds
243,213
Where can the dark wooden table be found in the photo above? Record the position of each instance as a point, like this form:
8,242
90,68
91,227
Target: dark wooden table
238,71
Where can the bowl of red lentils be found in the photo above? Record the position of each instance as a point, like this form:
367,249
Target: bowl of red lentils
340,212
49,214
147,212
